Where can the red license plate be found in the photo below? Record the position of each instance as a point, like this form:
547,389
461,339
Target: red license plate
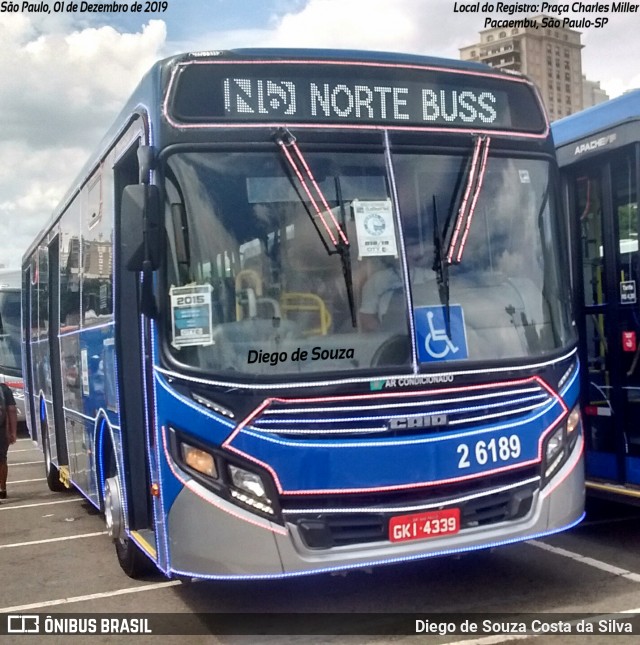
420,526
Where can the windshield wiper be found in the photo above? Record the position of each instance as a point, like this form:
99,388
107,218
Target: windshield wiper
473,186
455,238
441,268
339,241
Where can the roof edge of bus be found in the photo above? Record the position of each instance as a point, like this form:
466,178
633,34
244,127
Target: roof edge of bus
373,56
597,118
10,278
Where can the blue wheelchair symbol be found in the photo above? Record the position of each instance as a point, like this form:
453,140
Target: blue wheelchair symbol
433,341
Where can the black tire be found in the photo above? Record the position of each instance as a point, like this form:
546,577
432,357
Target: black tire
23,430
132,560
51,472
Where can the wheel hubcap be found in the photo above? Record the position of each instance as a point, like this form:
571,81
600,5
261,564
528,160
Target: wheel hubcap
113,515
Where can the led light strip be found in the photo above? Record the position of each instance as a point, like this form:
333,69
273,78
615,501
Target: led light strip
413,507
304,185
338,431
546,492
470,182
556,399
338,126
449,411
380,562
159,513
410,486
312,179
352,381
266,402
192,404
86,329
408,442
422,402
380,396
476,194
362,63
259,423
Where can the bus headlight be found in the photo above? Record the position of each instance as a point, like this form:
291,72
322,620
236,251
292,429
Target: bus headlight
559,443
248,488
554,451
198,459
574,424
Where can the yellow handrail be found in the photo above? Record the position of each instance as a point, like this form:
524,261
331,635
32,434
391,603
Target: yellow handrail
297,301
247,278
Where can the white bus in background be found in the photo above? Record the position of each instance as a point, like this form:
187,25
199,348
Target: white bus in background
10,337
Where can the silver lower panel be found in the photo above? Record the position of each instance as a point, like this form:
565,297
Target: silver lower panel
208,537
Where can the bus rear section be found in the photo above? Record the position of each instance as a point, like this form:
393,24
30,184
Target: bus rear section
337,331
10,339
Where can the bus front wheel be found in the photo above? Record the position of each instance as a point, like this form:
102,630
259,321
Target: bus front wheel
132,561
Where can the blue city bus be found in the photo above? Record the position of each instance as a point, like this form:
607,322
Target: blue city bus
307,311
598,151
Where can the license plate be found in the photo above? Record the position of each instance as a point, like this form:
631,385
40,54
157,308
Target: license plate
420,526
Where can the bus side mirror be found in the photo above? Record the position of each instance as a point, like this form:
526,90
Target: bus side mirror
141,237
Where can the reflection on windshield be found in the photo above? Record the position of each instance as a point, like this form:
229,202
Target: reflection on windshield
505,294
252,288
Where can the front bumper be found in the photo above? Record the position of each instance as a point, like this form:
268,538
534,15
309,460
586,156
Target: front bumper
211,538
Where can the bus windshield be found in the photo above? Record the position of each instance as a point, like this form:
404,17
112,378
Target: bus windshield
10,356
272,261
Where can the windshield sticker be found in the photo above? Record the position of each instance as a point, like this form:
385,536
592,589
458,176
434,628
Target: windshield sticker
628,292
411,381
440,333
524,176
374,228
191,316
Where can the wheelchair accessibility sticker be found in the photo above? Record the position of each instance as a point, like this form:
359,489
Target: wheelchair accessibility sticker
434,343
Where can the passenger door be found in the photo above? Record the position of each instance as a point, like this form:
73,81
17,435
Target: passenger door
604,207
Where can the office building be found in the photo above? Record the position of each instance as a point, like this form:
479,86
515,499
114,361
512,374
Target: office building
592,93
552,58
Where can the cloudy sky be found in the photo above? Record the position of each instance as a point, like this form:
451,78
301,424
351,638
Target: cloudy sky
65,76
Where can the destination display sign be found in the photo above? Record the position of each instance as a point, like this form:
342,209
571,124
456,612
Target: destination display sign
351,94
